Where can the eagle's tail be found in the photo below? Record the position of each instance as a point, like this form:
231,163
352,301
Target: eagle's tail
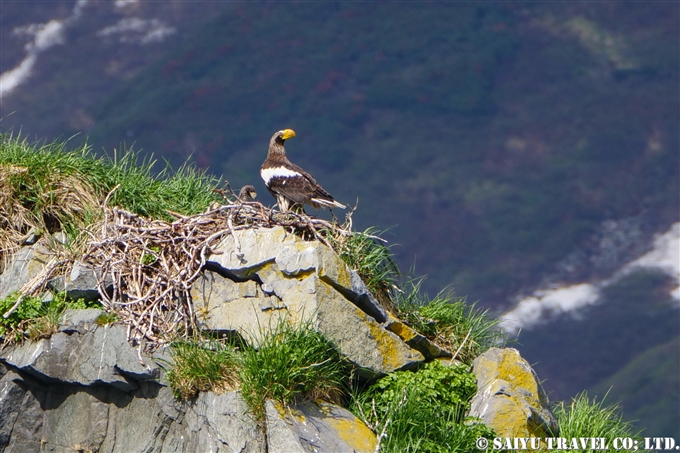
328,203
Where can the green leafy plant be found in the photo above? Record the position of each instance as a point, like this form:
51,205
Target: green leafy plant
34,317
197,367
401,408
586,418
29,308
449,321
292,364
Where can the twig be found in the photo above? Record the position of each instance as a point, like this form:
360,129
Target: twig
34,284
461,345
382,435
9,312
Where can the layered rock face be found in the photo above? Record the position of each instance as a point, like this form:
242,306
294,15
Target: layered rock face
277,275
86,389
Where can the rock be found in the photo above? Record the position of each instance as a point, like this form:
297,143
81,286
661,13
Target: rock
36,416
79,321
277,275
159,423
415,340
11,397
509,397
26,264
227,415
20,414
31,237
77,419
100,356
316,427
81,283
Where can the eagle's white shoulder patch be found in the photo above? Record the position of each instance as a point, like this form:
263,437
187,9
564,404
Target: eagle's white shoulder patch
277,172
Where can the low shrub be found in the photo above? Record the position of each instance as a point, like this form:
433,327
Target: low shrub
422,411
34,317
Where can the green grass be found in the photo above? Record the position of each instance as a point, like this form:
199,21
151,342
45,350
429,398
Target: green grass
449,321
39,174
198,367
422,411
46,188
186,191
584,417
291,365
372,260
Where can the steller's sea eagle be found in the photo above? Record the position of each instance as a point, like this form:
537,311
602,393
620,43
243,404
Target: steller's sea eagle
289,184
247,193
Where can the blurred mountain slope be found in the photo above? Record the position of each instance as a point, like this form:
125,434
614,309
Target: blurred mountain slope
502,135
501,143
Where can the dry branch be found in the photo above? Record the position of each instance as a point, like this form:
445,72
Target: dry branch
154,263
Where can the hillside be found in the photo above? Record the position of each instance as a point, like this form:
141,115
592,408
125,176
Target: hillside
518,132
230,327
636,365
500,143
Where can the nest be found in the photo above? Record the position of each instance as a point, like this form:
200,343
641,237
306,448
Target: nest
147,267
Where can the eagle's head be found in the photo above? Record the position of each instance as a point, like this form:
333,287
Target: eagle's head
247,193
283,135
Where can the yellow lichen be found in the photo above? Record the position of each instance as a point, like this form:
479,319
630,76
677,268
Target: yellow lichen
401,330
355,434
392,357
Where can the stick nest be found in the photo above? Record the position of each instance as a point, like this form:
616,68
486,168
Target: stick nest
152,264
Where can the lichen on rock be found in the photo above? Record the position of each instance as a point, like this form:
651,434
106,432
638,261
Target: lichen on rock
509,396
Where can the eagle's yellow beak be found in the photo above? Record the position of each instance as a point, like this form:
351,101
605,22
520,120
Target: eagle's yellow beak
288,133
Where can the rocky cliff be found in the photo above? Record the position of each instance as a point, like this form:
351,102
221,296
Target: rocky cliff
90,387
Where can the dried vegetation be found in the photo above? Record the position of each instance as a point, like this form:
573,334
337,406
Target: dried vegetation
154,263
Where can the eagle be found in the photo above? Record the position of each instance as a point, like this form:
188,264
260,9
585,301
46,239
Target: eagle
289,184
247,193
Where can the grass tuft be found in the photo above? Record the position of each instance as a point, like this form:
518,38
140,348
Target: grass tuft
372,260
197,367
48,188
586,418
292,365
449,321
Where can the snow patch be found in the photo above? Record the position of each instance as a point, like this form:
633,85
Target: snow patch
9,80
124,3
665,255
136,30
542,304
42,38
